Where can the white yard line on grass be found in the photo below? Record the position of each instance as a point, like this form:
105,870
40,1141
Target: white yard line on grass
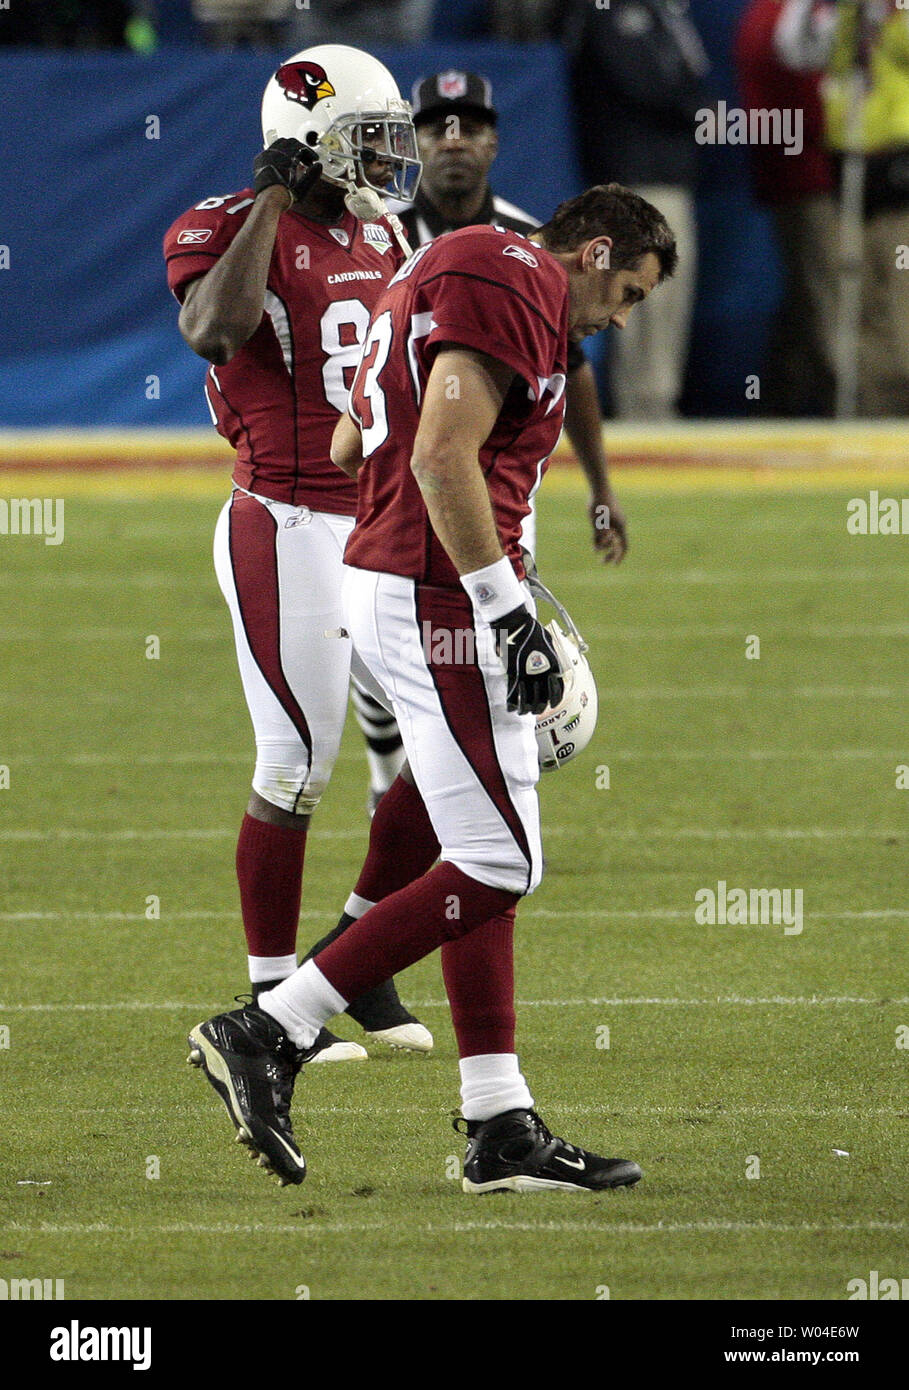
655,692
604,1001
750,577
566,914
613,1109
753,577
722,692
685,1227
661,755
600,631
606,631
115,634
650,832
315,1111
683,914
724,755
586,1227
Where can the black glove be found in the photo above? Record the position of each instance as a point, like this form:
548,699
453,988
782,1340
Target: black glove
289,163
530,661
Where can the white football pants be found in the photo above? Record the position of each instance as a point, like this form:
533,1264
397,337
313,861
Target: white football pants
475,762
279,568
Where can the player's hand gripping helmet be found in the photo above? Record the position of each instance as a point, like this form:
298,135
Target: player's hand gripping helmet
345,105
566,730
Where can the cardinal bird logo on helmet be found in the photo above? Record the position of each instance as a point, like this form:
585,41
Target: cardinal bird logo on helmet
306,83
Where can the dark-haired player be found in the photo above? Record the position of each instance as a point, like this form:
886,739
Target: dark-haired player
457,137
456,405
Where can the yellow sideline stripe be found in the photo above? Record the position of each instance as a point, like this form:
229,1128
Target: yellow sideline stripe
886,438
118,484
687,457
201,484
818,440
174,446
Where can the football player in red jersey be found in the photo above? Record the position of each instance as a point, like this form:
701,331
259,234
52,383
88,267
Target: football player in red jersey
276,284
455,407
456,124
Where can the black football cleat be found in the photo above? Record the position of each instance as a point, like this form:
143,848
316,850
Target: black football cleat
515,1152
252,1064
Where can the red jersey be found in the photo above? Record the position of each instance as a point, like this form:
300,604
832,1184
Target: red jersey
279,397
483,288
780,177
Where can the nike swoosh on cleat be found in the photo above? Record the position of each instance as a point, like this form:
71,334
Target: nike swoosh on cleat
294,1157
570,1163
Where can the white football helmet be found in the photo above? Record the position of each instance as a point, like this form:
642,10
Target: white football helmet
345,105
565,730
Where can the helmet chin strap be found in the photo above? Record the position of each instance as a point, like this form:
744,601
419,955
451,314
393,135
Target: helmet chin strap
368,205
364,203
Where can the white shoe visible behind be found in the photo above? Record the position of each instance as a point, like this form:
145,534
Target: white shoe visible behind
408,1037
340,1051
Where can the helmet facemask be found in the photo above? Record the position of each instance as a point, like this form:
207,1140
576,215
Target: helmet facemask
374,150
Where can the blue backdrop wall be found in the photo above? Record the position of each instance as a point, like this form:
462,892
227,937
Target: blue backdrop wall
87,196
87,316
738,273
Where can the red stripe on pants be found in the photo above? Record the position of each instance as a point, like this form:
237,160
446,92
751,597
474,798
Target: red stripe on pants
462,695
254,561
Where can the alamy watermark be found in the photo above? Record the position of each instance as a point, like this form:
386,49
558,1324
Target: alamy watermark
32,516
26,1290
878,516
731,125
875,1288
750,907
78,1343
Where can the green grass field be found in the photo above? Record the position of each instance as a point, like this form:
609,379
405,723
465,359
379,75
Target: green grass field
128,778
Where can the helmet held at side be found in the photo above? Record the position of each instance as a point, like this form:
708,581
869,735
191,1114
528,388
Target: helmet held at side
564,731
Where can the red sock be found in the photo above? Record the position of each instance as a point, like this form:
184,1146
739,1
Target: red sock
479,980
407,925
402,843
270,875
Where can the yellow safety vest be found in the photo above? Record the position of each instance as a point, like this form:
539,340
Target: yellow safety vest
885,115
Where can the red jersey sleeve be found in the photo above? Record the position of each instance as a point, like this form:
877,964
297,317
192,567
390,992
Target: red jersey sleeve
501,295
201,235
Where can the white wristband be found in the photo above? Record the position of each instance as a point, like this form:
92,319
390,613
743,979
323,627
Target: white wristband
494,590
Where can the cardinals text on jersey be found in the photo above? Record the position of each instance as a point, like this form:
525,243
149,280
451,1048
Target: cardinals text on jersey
484,288
278,399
